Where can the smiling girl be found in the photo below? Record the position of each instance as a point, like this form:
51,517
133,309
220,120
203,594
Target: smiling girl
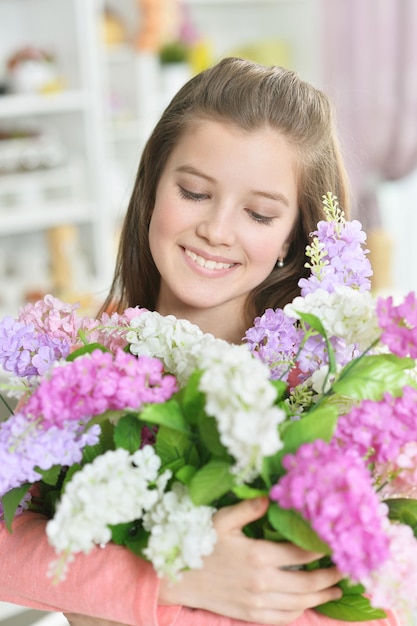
228,189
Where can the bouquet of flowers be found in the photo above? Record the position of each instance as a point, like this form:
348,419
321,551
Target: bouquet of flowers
134,428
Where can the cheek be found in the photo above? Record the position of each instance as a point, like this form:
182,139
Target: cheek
264,251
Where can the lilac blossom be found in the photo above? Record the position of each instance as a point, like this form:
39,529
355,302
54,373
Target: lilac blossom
25,352
275,339
332,489
377,430
98,382
314,354
342,261
25,445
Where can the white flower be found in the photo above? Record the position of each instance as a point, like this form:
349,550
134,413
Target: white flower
181,533
318,379
176,342
116,487
240,396
346,313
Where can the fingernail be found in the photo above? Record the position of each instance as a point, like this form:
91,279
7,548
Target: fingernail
257,503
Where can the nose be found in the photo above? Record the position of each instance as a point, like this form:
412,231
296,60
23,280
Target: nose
218,226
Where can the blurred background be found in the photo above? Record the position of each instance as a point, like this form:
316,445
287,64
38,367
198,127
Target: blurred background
82,83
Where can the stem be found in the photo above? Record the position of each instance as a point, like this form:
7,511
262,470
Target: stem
6,404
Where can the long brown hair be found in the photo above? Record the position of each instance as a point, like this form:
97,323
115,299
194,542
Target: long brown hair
252,97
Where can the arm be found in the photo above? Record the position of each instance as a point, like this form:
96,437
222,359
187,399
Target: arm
127,589
241,580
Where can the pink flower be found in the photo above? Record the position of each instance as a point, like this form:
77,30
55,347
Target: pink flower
377,430
399,325
98,382
399,476
52,317
394,584
110,330
332,489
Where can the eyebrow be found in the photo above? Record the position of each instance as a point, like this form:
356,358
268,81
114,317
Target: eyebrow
278,197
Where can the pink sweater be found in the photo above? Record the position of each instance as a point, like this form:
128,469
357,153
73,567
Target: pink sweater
24,559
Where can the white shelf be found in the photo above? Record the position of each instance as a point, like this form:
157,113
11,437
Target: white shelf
32,104
39,217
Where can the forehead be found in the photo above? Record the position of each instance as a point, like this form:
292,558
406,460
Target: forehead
222,136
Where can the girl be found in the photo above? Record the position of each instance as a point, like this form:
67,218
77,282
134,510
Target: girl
228,189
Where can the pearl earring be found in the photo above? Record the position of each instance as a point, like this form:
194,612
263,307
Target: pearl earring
280,263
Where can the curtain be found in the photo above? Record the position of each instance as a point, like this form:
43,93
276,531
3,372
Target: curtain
369,65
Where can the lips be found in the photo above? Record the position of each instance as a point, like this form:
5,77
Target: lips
206,263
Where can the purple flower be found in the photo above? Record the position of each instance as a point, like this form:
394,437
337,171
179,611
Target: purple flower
275,339
344,261
332,489
25,445
25,352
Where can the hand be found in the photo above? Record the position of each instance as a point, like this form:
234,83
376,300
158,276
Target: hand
244,578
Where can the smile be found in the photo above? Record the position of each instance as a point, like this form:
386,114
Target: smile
209,265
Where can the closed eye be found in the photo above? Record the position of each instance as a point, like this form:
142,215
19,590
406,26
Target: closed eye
261,219
191,195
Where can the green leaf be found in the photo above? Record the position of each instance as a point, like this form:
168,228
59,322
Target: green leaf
349,588
403,510
130,534
317,424
138,542
87,349
11,501
281,388
244,492
121,532
51,475
369,377
295,529
210,437
167,414
211,482
76,467
185,474
173,444
351,608
191,399
127,433
106,442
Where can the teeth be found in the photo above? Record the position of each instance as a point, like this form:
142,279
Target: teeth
210,265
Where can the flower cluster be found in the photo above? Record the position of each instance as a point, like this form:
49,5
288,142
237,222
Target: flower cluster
331,488
317,409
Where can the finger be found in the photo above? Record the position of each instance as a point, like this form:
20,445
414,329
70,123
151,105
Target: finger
238,515
312,582
288,555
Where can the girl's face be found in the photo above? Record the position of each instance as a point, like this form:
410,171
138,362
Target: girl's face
225,206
